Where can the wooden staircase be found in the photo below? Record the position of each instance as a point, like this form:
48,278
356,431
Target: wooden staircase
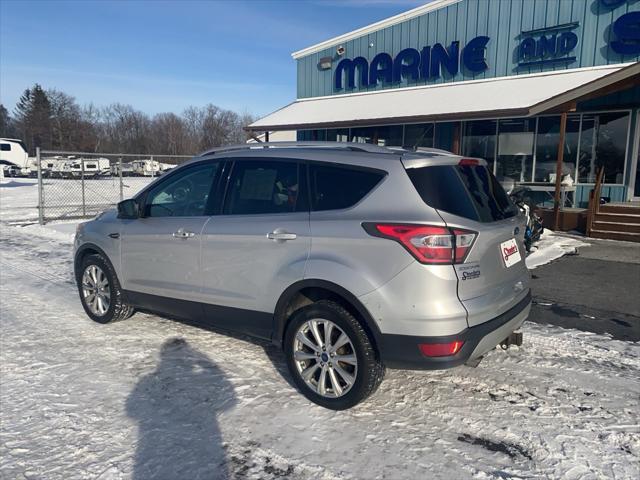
617,222
614,221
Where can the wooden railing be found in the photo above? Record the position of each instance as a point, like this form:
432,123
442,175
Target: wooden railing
594,201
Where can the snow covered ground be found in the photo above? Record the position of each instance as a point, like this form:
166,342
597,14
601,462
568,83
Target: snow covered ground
153,398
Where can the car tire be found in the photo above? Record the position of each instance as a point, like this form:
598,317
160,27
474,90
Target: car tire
331,317
111,308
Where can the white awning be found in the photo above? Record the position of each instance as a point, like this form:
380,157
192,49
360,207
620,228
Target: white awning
498,97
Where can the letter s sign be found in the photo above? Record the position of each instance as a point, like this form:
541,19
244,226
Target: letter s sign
627,31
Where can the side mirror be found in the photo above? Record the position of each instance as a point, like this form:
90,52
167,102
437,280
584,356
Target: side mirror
128,209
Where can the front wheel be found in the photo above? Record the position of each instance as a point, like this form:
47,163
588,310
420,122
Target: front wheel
331,357
100,292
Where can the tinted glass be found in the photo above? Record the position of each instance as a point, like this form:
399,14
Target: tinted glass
333,188
515,149
184,194
262,186
5,147
603,143
467,191
383,136
419,135
479,140
547,140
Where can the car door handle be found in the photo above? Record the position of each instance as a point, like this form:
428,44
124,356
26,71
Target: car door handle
182,233
281,236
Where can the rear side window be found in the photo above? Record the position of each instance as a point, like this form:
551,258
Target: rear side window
469,191
334,188
5,147
263,186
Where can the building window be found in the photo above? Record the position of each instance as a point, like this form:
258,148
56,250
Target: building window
338,135
547,138
312,135
603,142
419,135
515,149
479,140
386,136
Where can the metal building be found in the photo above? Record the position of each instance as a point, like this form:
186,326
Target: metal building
486,78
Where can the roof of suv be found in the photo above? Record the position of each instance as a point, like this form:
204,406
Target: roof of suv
363,154
276,148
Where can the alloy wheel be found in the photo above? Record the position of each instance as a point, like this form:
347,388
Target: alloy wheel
325,358
95,290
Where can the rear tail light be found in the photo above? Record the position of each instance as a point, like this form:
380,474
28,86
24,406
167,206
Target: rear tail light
440,349
427,243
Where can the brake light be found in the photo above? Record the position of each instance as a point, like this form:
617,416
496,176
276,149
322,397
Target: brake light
440,349
427,243
469,162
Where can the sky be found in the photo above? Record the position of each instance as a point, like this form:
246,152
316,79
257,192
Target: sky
162,56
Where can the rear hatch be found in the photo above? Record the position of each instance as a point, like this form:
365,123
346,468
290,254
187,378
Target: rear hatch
466,195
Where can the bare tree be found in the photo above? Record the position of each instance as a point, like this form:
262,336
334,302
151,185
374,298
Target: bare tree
53,119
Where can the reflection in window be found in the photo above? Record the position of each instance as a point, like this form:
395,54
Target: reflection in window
312,135
419,135
183,195
386,136
603,142
262,186
515,149
479,140
547,148
338,135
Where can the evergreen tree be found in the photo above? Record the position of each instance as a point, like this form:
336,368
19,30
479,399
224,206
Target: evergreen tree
33,118
5,122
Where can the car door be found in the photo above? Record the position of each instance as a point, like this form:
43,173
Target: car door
258,246
160,252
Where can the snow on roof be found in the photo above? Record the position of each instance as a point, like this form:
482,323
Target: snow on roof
513,95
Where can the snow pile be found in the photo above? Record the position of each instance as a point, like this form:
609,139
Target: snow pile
551,247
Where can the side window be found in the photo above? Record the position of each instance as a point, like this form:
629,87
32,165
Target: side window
5,147
334,188
262,186
182,195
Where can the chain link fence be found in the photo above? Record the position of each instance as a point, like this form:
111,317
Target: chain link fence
73,185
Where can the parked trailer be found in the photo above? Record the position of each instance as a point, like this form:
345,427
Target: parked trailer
14,158
93,167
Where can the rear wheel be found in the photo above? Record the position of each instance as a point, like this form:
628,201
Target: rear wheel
100,291
331,357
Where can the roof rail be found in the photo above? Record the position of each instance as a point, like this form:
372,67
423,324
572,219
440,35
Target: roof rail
354,147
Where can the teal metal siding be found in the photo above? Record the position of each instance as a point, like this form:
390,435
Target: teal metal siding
501,20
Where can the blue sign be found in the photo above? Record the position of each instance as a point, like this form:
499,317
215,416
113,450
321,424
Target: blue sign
627,32
429,63
546,46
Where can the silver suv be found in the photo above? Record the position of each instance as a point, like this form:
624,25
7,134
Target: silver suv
351,257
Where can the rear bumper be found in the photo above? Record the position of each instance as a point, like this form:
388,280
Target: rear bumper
401,351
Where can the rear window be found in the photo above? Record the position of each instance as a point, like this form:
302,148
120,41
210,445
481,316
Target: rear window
464,190
334,188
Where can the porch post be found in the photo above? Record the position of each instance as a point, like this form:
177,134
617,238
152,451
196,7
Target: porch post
556,199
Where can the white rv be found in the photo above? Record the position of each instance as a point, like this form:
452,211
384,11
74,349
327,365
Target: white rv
93,167
145,168
14,158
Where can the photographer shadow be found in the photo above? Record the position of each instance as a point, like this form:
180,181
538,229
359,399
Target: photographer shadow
176,408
